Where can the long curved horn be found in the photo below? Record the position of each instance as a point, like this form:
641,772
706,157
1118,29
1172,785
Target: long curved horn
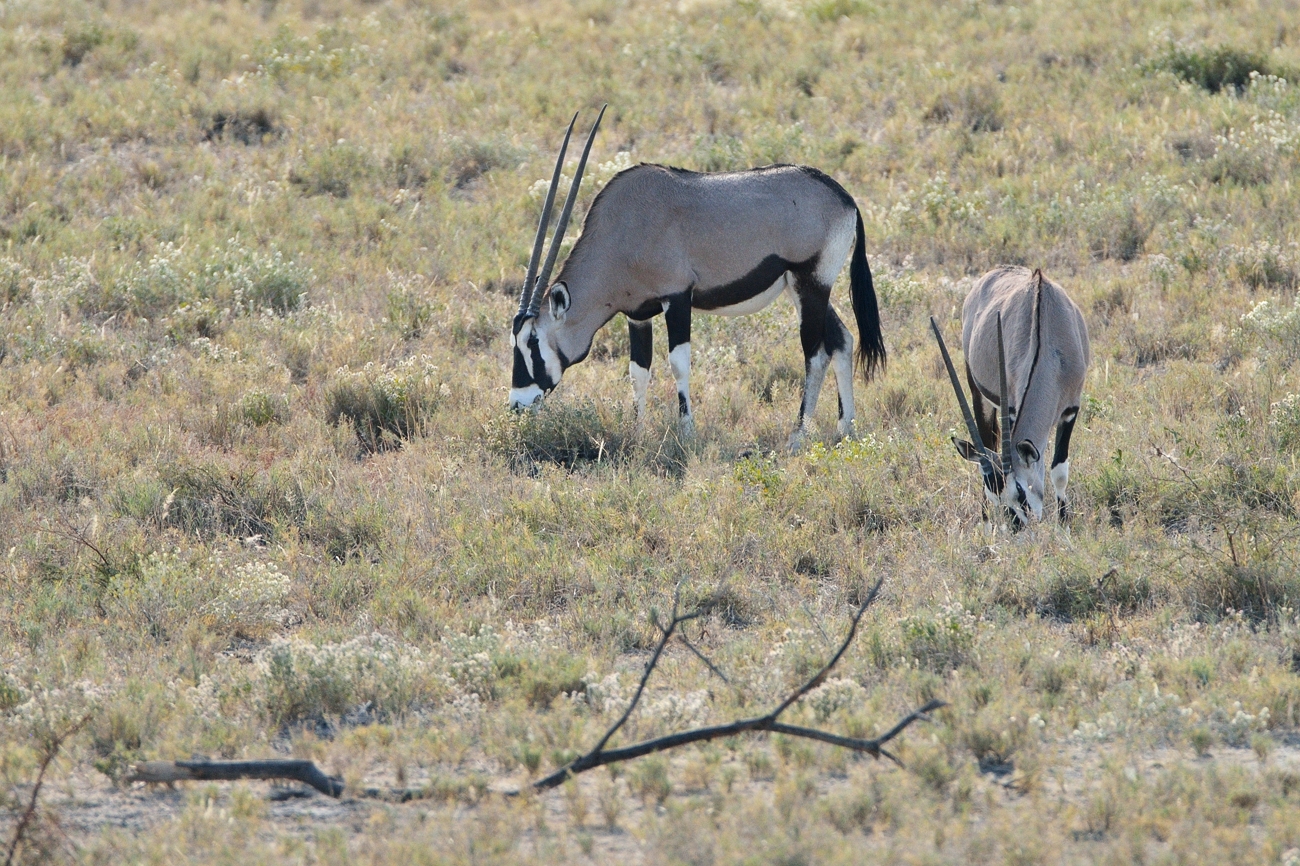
544,277
526,294
986,460
1005,409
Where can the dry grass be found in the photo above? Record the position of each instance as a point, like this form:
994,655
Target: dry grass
259,494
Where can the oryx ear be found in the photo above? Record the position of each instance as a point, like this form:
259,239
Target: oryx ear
966,450
1028,452
560,301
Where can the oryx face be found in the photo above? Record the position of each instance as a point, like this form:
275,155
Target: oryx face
538,361
1019,497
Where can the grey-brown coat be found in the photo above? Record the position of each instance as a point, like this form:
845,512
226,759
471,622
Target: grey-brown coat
1047,357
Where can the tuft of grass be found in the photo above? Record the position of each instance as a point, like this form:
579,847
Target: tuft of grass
1214,68
563,433
388,404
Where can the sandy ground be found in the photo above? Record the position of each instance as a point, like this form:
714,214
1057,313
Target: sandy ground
88,804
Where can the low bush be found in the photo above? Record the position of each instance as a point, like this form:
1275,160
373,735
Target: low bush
1214,68
300,681
386,404
566,434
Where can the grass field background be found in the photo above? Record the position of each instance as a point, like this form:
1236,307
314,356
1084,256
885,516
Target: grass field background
260,495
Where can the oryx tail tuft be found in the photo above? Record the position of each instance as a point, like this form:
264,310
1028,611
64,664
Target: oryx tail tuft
871,345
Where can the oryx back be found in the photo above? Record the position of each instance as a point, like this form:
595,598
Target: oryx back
728,236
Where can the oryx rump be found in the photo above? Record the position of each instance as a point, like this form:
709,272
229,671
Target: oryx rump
665,240
1026,348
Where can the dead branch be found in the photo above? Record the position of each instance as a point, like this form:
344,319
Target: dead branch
600,756
51,748
227,771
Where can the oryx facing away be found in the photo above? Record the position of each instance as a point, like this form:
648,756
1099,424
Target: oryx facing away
666,240
1027,352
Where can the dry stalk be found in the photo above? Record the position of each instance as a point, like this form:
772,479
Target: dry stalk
50,752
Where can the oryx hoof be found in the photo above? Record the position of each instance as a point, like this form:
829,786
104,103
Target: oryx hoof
797,441
846,430
686,426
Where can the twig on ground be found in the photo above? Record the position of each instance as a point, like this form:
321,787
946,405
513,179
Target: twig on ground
599,756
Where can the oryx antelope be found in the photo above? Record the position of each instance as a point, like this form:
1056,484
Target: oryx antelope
665,240
1026,348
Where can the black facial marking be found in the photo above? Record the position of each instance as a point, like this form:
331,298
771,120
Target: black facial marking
519,378
540,376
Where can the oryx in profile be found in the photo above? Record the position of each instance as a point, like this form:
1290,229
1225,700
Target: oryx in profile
666,240
1022,335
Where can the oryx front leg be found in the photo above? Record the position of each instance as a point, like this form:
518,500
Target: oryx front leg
1061,460
641,344
677,316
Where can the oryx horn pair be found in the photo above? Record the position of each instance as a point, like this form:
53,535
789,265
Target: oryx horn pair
995,473
530,298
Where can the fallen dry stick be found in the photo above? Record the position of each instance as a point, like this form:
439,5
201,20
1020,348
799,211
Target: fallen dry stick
226,771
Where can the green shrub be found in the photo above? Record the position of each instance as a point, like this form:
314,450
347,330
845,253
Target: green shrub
258,409
563,433
409,312
941,641
1284,421
978,108
1272,330
210,500
300,681
331,170
1265,265
1213,69
385,404
79,41
649,780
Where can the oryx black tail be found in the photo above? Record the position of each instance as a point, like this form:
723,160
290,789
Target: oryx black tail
871,344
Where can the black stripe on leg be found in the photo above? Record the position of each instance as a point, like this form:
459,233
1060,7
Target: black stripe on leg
641,343
683,406
1064,429
677,316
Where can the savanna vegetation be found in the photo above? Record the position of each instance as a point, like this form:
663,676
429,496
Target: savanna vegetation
260,495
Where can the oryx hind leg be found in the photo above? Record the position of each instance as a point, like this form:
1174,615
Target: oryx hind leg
1061,460
677,316
839,343
813,300
641,345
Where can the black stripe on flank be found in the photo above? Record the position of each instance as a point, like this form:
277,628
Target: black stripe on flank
646,311
751,285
